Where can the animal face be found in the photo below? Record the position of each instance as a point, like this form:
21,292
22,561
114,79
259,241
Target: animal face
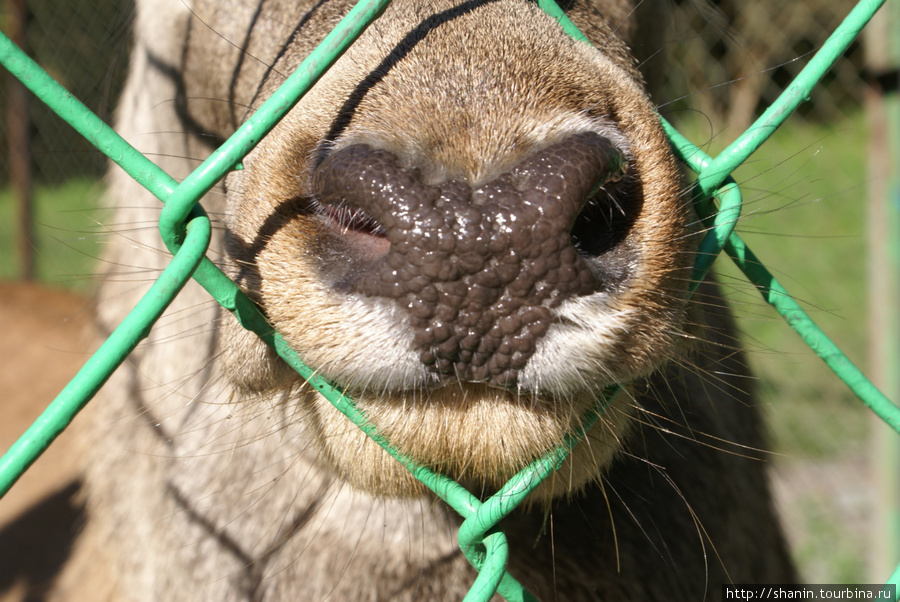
472,224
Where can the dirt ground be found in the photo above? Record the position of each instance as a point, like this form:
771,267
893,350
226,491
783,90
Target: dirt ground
43,343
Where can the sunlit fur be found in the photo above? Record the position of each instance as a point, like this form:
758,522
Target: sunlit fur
216,473
437,107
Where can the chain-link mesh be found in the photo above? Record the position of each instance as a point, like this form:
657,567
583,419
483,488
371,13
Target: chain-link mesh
742,55
734,59
84,46
186,231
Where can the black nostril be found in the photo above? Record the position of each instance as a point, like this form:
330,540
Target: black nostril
479,270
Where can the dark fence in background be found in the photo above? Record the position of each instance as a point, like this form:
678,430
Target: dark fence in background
84,45
733,58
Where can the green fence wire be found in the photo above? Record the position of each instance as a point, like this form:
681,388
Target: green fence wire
186,231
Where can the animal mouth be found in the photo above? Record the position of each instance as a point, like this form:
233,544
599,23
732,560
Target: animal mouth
363,235
478,270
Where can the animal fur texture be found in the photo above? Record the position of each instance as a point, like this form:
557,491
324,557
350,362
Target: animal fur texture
215,474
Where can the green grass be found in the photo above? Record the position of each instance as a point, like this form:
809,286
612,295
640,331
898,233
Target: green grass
806,222
67,234
805,217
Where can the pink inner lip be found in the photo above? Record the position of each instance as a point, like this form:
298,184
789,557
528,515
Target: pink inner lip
357,229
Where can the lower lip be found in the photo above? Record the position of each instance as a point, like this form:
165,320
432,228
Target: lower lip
367,246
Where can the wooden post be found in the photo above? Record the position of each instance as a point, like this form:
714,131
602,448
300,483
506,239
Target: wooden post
17,123
882,39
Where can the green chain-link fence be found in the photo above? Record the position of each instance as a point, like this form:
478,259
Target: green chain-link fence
186,231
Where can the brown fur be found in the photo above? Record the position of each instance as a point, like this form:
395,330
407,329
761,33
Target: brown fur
215,474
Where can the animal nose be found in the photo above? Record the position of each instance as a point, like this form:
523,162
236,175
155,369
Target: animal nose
477,269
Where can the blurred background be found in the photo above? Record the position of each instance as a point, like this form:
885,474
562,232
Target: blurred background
806,198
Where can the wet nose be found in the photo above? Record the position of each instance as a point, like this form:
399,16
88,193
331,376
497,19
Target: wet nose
477,269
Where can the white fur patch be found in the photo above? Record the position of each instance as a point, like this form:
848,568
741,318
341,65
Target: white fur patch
574,355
